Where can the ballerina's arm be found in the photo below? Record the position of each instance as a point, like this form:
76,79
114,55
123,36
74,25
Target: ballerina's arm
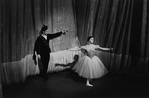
76,48
101,48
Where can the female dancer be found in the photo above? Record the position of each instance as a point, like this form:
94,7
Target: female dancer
90,66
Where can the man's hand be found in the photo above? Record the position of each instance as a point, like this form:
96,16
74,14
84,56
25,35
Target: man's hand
64,32
39,57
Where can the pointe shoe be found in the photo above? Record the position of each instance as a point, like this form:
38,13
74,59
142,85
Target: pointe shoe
88,84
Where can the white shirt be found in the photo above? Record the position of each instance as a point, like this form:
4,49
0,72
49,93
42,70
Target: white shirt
45,36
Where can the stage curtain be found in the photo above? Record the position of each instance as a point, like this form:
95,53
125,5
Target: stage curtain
1,93
119,24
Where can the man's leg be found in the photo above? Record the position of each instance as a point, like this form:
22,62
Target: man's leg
45,67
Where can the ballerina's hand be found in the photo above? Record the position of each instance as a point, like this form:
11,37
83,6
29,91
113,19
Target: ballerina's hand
67,49
112,49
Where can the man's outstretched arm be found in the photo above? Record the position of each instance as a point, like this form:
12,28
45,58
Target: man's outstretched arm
51,36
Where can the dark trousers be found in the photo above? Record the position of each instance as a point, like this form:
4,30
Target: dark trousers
43,65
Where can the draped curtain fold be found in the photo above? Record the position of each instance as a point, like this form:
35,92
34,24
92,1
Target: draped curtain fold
82,13
120,24
1,95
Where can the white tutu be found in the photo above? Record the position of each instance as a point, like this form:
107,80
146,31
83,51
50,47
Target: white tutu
90,67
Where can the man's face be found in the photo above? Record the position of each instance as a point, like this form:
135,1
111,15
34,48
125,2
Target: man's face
45,32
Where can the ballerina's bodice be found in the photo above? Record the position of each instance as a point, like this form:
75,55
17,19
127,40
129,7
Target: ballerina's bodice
90,49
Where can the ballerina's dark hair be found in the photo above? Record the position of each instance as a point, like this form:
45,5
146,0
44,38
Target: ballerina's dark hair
89,38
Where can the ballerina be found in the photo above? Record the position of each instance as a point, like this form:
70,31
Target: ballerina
90,66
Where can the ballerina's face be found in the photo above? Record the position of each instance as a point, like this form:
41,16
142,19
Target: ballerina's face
91,40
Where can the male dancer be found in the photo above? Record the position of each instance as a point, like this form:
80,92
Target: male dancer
42,49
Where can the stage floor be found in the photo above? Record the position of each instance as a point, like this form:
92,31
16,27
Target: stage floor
67,84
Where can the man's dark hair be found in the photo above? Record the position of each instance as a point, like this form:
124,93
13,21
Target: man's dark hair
44,28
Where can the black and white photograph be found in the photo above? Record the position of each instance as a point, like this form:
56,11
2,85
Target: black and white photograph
74,48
